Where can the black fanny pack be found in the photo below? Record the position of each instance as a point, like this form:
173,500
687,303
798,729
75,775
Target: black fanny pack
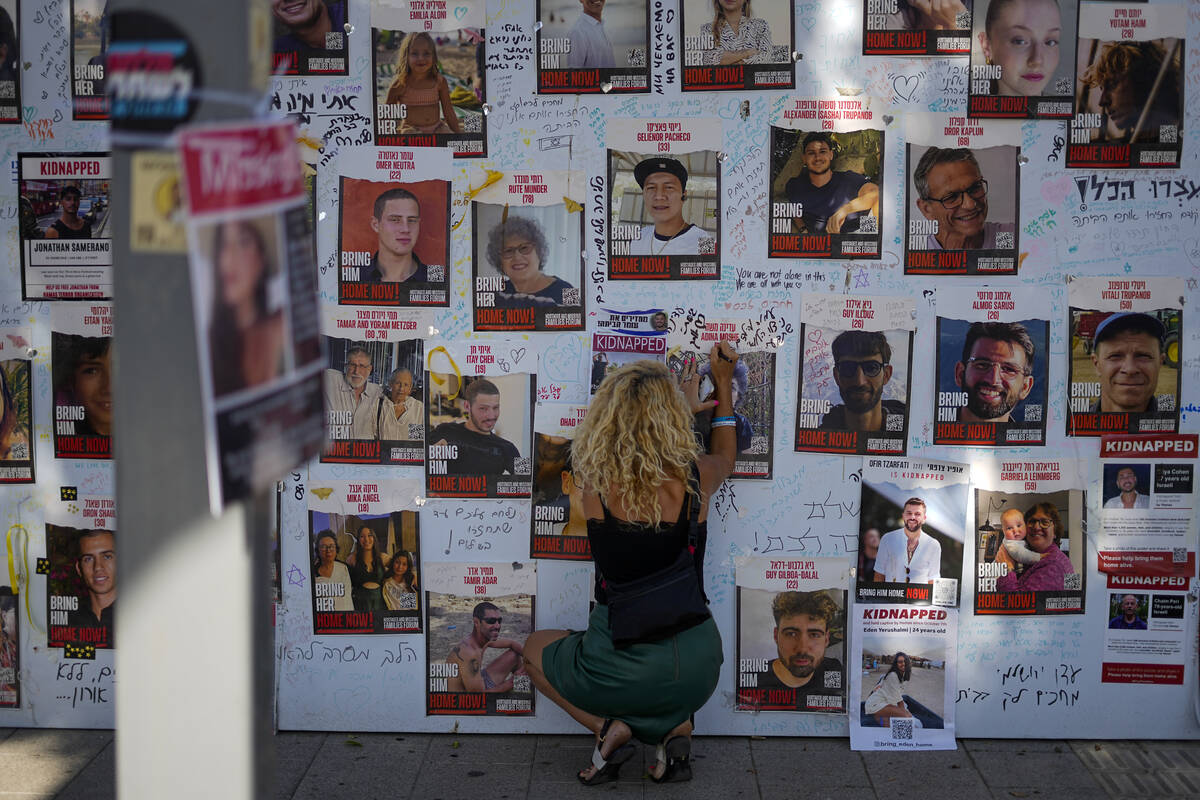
666,602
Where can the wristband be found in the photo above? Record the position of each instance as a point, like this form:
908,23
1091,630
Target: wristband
725,419
724,423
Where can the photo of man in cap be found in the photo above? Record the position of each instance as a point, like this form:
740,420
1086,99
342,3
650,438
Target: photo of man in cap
664,190
1127,353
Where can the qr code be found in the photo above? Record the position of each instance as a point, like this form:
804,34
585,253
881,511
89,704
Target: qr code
1004,240
708,246
407,602
472,123
1178,555
570,297
1062,85
437,274
894,423
334,41
902,729
1073,582
20,451
522,684
759,446
415,431
637,56
833,680
1033,412
945,592
1168,134
962,20
521,466
8,90
1164,402
868,224
780,54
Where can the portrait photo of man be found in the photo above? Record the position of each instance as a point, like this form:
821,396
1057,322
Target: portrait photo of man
832,200
803,622
396,221
400,409
664,190
1127,353
468,655
96,566
952,190
305,25
909,554
481,451
1125,480
995,370
862,369
350,394
1129,611
69,224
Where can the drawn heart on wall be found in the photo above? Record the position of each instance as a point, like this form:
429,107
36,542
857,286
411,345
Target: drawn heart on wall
1191,249
517,355
905,86
460,12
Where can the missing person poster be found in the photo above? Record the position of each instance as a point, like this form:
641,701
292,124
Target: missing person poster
255,300
1129,105
962,196
528,265
1147,503
479,419
559,524
81,585
81,348
63,225
11,63
623,337
90,35
992,367
394,240
902,694
757,341
428,60
911,523
1146,630
373,408
855,363
310,37
1030,524
366,561
477,617
664,203
1022,59
16,406
10,648
826,181
586,48
1126,347
791,640
737,49
915,28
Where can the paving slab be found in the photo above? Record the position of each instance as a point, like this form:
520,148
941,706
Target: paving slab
487,747
53,742
97,780
939,773
453,781
1048,770
820,764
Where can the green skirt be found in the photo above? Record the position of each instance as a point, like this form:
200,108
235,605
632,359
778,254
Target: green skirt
652,688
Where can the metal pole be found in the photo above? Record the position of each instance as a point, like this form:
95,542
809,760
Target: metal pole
193,631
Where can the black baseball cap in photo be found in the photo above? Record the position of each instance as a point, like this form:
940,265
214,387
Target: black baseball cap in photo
649,166
1129,321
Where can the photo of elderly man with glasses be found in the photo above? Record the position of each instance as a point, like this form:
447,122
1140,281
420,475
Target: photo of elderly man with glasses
952,192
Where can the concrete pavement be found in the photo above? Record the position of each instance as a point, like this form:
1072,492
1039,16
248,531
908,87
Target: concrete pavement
79,765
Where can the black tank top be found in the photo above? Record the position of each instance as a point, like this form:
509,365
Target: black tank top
624,551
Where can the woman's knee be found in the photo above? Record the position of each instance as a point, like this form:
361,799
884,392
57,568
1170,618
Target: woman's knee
536,643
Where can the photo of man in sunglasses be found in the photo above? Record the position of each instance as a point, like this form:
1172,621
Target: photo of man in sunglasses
861,369
474,675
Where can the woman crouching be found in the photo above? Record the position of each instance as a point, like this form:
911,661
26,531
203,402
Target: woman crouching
641,469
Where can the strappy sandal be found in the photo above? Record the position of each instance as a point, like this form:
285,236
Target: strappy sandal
675,753
607,769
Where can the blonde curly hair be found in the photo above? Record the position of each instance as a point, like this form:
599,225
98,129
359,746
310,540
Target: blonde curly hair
637,435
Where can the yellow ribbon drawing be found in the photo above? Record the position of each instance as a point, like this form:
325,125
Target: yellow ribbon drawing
436,376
